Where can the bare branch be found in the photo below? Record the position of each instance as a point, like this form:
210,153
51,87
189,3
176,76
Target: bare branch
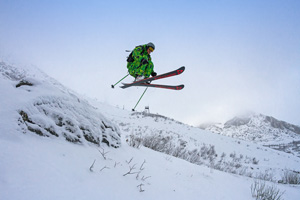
128,162
138,175
105,167
92,166
116,163
130,170
103,153
142,166
144,178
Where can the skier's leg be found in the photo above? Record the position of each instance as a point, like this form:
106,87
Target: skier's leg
148,70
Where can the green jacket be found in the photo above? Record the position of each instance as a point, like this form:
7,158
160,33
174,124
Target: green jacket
141,63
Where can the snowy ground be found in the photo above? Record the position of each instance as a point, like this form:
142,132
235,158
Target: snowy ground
38,168
35,167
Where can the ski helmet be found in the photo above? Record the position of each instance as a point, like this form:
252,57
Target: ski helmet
150,44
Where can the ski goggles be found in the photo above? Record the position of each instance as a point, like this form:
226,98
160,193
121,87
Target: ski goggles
151,49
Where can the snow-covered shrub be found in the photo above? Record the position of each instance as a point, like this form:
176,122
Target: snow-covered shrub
134,141
74,120
290,177
159,143
261,191
266,176
204,155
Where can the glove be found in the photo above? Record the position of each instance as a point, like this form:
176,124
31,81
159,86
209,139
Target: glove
153,74
144,61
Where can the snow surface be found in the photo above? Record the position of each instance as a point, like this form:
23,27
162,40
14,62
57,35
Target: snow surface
46,166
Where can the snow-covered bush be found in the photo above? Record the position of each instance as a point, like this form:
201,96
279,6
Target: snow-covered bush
290,177
204,155
76,121
134,141
261,191
266,176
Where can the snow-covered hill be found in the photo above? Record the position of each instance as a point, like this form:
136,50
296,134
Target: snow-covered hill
56,144
40,105
261,129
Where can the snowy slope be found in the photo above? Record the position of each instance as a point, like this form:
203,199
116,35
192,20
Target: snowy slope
216,151
62,147
42,106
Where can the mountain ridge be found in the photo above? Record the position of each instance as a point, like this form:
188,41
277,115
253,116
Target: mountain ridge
261,129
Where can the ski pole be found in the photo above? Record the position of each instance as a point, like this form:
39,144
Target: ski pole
139,99
113,86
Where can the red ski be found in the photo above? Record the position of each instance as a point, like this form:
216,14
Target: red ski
171,87
165,75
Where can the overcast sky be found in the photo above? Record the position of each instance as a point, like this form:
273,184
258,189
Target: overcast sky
240,56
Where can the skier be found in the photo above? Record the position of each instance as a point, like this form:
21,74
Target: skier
139,61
